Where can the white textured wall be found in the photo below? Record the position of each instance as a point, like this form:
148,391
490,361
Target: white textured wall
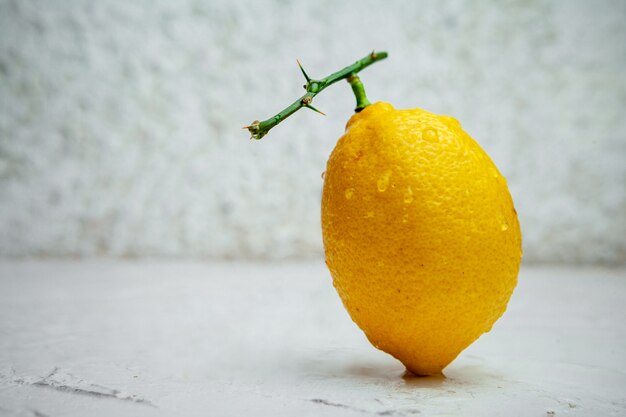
120,121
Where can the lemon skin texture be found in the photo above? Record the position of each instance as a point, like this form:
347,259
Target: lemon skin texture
420,234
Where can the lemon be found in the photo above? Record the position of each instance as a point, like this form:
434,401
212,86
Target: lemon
420,234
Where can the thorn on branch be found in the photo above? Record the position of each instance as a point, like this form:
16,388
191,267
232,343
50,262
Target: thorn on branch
308,106
303,72
306,102
313,87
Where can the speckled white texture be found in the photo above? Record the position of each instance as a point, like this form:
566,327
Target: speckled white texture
120,121
162,339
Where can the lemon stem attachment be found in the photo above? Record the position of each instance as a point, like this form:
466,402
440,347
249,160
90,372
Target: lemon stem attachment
359,92
313,87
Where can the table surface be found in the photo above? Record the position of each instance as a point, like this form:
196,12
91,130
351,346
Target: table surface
154,338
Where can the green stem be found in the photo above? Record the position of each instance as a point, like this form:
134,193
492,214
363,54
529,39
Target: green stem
313,87
359,92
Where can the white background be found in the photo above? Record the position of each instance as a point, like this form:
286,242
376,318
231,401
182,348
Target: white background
120,121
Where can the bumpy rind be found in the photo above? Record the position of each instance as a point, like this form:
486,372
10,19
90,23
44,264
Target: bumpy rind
420,234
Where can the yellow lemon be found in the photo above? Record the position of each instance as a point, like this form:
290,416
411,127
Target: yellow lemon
420,234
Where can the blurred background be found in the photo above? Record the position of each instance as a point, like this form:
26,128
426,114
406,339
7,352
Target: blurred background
120,122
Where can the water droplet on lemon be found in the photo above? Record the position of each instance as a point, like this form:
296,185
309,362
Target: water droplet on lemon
383,181
349,193
504,226
408,195
430,135
323,174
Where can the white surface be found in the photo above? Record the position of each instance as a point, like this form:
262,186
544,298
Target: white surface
120,121
164,339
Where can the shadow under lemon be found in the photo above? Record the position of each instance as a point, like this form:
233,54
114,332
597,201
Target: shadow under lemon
346,364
